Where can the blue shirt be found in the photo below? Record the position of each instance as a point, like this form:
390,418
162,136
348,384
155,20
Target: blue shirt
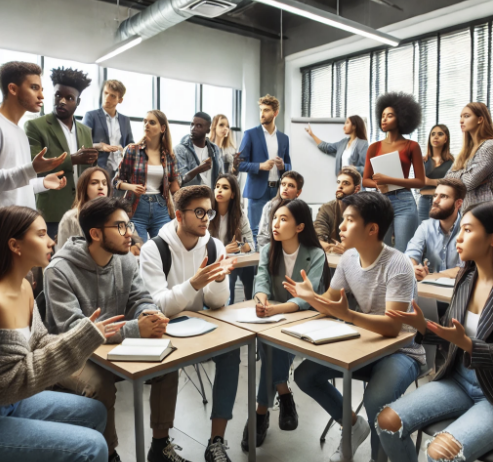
432,243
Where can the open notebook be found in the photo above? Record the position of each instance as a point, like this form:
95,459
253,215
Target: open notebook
444,282
249,315
321,331
141,349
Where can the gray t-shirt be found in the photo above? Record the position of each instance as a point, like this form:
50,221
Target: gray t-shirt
389,279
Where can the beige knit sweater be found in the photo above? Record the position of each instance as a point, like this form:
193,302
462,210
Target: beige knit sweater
29,368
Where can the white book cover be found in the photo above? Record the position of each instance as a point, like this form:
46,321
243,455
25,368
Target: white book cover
141,349
249,315
389,165
321,331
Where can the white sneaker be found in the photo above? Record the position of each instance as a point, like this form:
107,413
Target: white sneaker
359,432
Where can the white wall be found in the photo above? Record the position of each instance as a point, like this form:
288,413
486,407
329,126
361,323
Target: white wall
84,30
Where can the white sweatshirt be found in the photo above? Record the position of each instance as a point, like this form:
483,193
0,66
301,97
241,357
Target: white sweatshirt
177,294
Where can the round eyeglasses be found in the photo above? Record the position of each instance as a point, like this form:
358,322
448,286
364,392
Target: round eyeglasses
200,213
122,227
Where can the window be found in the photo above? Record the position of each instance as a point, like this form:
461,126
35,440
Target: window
178,131
218,100
178,99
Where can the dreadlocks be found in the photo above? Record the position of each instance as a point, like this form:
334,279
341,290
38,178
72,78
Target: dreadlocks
71,78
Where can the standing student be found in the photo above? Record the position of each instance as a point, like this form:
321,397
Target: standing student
399,114
367,267
222,137
60,132
474,163
38,425
438,161
232,228
111,131
265,151
348,151
293,248
199,159
149,175
22,91
462,389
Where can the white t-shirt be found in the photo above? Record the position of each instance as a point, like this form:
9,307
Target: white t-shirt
223,228
155,175
346,156
18,181
273,150
471,324
202,154
71,137
289,261
115,135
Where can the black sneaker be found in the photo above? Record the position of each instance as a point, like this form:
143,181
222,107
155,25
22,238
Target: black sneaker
216,451
262,426
288,417
114,457
167,454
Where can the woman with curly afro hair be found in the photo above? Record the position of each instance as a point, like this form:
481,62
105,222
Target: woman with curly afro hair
399,114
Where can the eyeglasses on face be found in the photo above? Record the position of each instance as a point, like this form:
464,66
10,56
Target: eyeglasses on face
122,227
200,213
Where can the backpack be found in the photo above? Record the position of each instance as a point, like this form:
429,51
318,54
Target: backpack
166,257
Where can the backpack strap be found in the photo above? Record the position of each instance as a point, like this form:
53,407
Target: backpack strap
211,252
165,253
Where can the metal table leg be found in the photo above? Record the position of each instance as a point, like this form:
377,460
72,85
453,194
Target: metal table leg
252,414
139,420
346,416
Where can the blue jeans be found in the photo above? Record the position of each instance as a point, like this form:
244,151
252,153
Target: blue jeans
246,276
281,362
255,207
424,206
405,221
151,215
457,397
387,378
53,427
225,384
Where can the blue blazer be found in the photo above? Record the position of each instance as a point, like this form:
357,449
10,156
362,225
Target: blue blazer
253,151
96,121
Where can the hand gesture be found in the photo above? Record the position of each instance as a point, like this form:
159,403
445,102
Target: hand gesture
267,165
207,274
381,178
302,290
152,324
415,319
309,130
455,334
266,310
279,163
108,148
237,160
41,165
109,327
85,156
336,247
205,165
233,246
339,309
138,189
227,265
421,271
52,181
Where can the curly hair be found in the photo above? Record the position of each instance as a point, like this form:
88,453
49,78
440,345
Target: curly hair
71,78
407,110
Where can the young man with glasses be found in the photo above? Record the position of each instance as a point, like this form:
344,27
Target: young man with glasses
100,272
189,285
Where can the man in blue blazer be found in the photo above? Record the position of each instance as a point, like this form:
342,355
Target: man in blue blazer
111,131
265,157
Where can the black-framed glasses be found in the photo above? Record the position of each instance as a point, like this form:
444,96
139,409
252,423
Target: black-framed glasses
200,213
122,227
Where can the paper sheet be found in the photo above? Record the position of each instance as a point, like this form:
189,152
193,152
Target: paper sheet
389,165
249,315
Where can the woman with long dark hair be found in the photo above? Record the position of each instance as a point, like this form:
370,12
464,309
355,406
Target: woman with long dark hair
348,151
38,425
438,161
463,387
294,247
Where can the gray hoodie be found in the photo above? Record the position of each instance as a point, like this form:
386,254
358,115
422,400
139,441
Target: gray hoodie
75,286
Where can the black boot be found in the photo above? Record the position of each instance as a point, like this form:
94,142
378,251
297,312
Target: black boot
288,417
262,426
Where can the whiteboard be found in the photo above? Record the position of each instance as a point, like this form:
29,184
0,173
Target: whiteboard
317,168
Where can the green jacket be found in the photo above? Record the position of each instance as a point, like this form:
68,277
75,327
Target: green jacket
46,132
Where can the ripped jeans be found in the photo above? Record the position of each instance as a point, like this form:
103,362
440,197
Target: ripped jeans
454,397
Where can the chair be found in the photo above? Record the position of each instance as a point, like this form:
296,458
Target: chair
199,376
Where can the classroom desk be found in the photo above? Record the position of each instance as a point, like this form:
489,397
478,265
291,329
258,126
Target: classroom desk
346,356
189,351
250,259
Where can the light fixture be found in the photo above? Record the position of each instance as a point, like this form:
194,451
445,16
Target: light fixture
121,47
316,14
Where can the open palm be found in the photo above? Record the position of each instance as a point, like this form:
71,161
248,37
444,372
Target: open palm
302,290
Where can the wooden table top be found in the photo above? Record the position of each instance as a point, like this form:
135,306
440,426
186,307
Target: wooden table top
229,314
347,353
249,259
187,349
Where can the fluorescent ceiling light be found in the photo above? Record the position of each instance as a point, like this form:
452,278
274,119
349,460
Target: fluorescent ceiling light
121,47
316,14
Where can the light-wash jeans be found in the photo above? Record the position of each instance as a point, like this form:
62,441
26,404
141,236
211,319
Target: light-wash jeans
151,215
458,397
387,379
424,207
255,207
53,427
405,221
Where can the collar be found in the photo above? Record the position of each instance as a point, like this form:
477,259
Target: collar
143,146
107,115
65,127
454,227
269,134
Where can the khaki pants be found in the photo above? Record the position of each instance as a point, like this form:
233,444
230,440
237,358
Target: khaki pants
92,381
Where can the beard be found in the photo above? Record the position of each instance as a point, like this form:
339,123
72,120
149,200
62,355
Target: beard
438,213
111,248
341,195
267,120
192,231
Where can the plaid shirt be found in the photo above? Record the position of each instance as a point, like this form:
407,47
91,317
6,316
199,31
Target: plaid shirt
133,170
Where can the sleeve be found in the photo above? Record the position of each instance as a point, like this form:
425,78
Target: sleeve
88,121
216,294
38,185
64,230
121,173
417,245
361,157
174,174
246,231
401,281
263,282
339,280
184,165
368,171
329,148
324,223
263,237
130,134
246,153
314,275
34,137
287,158
479,168
481,357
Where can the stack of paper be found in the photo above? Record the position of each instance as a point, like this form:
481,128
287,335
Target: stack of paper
249,315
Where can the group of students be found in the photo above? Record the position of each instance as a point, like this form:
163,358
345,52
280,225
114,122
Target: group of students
188,264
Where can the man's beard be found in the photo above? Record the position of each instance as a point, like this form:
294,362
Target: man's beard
341,195
441,214
267,120
109,247
190,230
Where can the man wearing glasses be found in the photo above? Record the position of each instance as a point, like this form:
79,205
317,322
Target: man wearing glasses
190,285
99,272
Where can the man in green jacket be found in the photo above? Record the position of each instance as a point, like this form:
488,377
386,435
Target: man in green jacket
59,132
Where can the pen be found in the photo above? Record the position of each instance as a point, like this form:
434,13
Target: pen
259,302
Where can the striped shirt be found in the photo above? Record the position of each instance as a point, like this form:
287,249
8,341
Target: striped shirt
390,278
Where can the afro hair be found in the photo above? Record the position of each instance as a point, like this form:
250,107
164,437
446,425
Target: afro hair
407,110
71,78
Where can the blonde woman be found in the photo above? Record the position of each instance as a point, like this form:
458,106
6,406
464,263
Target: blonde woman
474,164
222,137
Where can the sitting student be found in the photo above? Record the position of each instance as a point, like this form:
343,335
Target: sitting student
188,285
329,216
435,239
38,425
100,267
367,267
290,186
232,228
462,388
294,247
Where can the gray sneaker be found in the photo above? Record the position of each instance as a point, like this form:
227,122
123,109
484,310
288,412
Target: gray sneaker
359,432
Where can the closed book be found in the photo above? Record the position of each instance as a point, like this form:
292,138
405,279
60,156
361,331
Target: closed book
321,331
141,349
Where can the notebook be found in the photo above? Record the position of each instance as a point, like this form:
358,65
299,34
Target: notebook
185,326
321,331
444,282
390,165
141,349
249,315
